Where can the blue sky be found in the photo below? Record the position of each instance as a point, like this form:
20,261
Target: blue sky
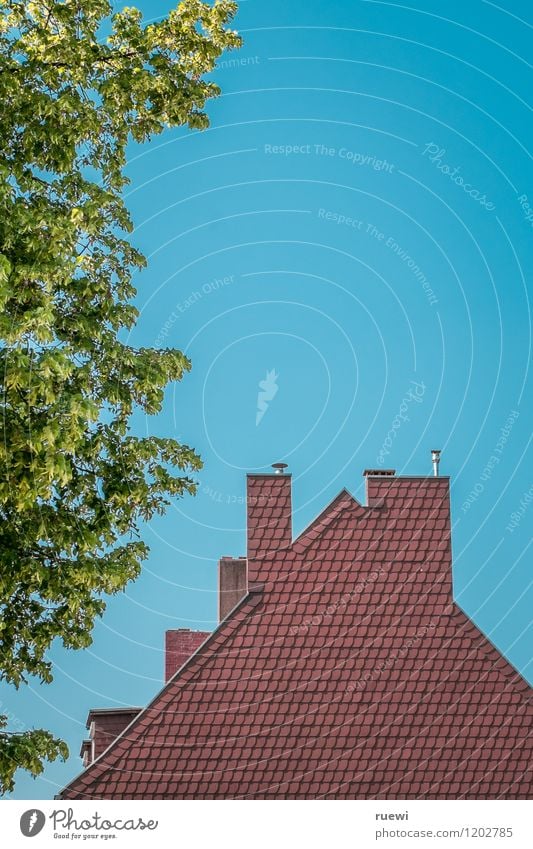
353,232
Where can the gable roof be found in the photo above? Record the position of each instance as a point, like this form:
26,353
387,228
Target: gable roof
343,501
344,673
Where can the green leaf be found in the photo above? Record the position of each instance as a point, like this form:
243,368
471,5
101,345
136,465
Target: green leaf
76,484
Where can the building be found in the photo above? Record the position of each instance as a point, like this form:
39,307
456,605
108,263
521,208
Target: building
341,668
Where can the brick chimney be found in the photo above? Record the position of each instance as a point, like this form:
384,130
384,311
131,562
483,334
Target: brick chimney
105,725
374,493
232,584
180,644
269,517
423,543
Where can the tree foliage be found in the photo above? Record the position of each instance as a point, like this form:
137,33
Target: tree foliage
75,483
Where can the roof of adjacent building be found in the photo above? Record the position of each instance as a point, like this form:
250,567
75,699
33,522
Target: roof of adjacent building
346,672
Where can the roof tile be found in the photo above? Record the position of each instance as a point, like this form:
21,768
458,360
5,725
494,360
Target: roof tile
349,675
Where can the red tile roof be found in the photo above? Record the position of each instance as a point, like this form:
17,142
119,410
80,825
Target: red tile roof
269,513
346,672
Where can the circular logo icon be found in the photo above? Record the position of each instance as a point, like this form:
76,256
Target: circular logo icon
32,822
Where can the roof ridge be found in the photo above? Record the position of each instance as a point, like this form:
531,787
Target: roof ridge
342,501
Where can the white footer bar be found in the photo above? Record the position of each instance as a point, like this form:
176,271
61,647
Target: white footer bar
269,825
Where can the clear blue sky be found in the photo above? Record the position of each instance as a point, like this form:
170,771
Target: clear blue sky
355,221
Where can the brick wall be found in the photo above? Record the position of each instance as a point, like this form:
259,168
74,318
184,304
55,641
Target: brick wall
180,644
105,726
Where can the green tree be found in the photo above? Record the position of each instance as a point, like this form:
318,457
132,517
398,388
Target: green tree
75,483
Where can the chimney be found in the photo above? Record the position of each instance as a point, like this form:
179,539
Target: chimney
269,519
416,517
232,584
373,496
180,644
105,725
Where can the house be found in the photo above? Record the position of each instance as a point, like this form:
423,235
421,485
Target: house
341,669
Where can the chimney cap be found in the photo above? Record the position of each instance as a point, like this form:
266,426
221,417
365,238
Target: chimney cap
279,468
379,473
124,711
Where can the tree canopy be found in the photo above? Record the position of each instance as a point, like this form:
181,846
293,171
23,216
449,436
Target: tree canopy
76,85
